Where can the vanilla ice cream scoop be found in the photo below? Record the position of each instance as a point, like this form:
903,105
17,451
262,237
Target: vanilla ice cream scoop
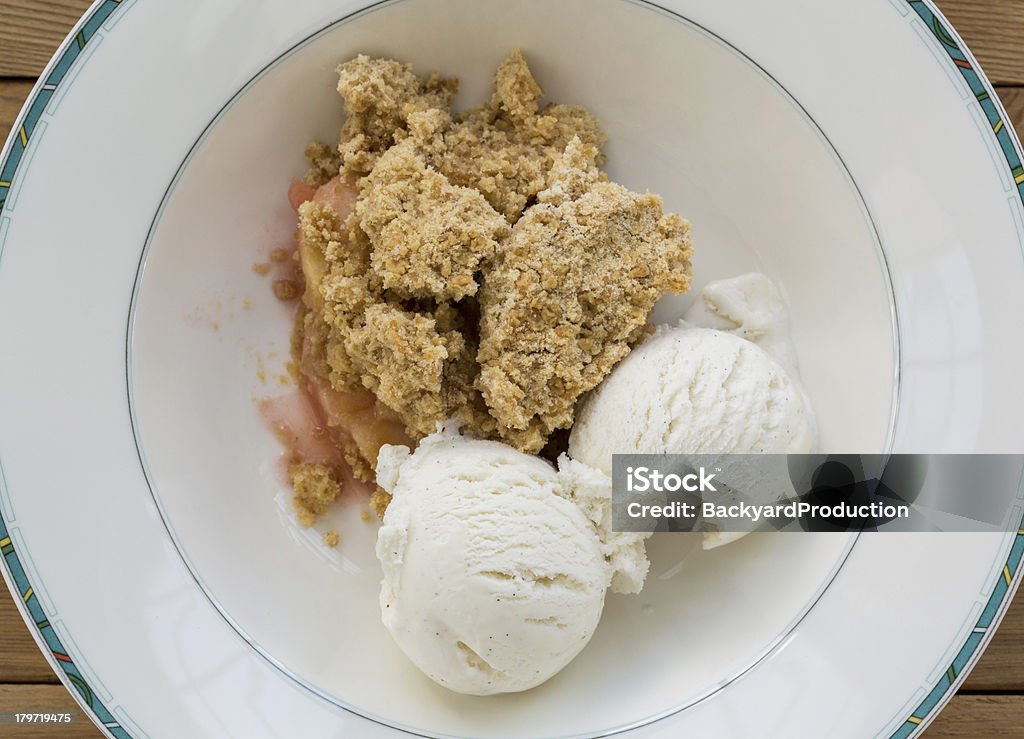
725,381
493,580
692,391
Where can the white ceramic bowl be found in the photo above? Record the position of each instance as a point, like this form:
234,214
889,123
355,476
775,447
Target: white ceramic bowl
167,156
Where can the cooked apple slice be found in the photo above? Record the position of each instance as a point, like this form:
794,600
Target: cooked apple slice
340,197
339,194
299,192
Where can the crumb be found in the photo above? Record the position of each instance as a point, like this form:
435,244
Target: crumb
379,95
365,515
316,487
407,357
280,255
246,304
261,369
261,268
428,236
506,147
324,163
214,326
286,290
571,292
331,539
379,501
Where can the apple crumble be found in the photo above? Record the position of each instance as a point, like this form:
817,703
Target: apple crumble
476,266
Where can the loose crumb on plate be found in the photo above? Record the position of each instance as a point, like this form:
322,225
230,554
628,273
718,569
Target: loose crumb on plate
286,290
379,501
316,487
331,538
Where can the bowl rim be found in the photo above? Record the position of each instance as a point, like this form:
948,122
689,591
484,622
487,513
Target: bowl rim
55,79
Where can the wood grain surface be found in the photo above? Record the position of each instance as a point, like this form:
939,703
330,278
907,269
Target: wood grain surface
991,701
30,31
42,699
992,30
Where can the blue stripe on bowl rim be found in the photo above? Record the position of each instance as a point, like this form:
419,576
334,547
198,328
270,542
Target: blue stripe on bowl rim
56,75
1009,576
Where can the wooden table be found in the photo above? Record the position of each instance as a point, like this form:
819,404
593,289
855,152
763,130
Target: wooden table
991,702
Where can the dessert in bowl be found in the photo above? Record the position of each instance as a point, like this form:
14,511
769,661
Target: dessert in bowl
794,216
162,550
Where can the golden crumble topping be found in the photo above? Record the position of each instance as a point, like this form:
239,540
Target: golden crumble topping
379,501
324,163
428,236
571,291
506,147
477,265
379,96
404,359
316,487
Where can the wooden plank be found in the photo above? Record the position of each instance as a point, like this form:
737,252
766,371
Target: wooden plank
12,95
20,658
976,716
992,30
30,31
43,699
1013,100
